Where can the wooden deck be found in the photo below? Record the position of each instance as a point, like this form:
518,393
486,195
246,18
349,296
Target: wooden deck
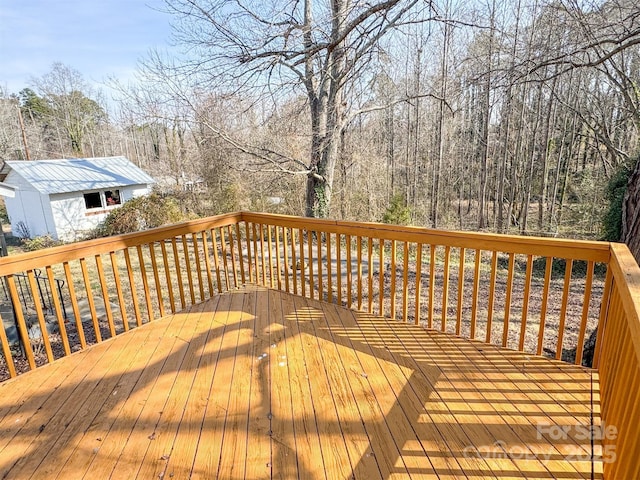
258,383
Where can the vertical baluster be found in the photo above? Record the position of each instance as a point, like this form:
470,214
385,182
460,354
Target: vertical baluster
58,309
269,253
445,288
294,261
236,277
225,261
74,304
37,300
339,267
22,324
255,253
585,312
432,284
176,261
604,308
545,302
359,269
216,259
310,254
405,283
381,278
418,282
563,308
525,302
319,253
118,284
614,381
240,255
286,259
263,257
134,290
349,279
278,265
207,261
187,261
492,294
156,279
249,264
167,274
303,280
616,333
329,272
476,286
90,299
196,254
460,291
370,274
145,283
507,301
105,295
393,279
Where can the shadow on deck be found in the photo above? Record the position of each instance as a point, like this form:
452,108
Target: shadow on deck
258,383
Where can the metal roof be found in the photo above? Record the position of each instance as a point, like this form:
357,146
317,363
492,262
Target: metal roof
79,174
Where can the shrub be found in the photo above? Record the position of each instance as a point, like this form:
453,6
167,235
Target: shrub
397,213
140,213
616,188
38,243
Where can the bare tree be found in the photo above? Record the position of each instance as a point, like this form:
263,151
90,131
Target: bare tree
311,46
71,106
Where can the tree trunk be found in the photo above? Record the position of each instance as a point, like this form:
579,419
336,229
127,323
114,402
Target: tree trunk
327,115
544,157
531,164
484,126
631,213
435,189
484,155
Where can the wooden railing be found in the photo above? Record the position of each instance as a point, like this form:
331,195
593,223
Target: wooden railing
618,364
114,284
536,295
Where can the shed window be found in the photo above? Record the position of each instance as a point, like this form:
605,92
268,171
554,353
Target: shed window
112,197
92,200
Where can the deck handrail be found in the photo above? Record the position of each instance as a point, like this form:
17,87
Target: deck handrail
537,295
72,251
563,248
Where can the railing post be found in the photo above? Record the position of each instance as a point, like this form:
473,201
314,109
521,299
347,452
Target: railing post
604,314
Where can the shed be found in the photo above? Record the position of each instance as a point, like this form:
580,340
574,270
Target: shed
67,198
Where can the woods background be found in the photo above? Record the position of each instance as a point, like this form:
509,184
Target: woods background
508,116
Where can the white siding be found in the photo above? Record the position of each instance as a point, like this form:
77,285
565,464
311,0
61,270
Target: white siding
74,221
134,191
29,208
70,214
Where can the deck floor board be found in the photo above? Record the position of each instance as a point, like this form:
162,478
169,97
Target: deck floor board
256,384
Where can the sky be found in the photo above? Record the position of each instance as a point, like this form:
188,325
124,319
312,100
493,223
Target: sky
99,38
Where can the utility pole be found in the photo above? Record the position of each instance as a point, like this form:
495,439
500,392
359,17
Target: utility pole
24,134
